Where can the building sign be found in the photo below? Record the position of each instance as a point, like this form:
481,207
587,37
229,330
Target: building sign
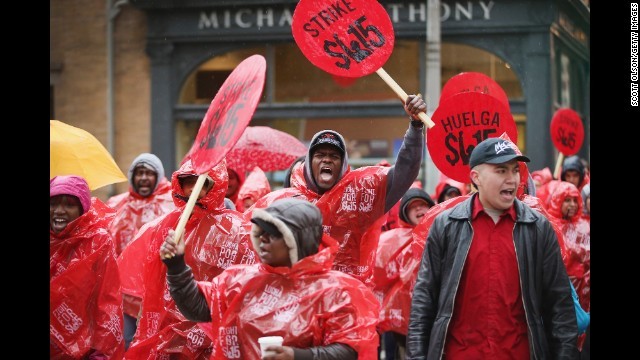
279,17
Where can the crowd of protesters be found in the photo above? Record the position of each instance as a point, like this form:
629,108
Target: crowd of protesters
336,261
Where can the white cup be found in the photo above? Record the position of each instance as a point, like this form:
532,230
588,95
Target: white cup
267,341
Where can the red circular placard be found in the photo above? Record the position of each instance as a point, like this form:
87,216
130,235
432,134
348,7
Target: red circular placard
229,114
567,131
473,82
349,38
462,122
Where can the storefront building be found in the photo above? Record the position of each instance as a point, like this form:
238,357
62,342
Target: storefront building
537,50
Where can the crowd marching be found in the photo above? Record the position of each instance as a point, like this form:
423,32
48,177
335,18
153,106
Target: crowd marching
342,263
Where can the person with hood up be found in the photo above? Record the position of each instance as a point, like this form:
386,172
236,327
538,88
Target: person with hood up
491,283
394,317
255,186
586,201
293,293
541,179
351,201
236,179
85,302
149,196
214,237
287,175
448,188
565,205
574,171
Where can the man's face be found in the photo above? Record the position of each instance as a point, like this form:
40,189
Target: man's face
497,184
573,177
144,180
416,210
234,183
326,163
189,182
569,207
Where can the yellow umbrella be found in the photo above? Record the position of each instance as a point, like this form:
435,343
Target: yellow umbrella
73,151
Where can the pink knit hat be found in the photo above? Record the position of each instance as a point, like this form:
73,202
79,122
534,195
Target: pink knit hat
71,185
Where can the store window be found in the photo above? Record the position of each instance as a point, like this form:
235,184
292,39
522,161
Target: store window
298,84
458,58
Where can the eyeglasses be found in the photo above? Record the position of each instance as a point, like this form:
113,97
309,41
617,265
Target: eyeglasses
266,236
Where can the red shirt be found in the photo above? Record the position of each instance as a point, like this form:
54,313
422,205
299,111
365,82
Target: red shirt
488,320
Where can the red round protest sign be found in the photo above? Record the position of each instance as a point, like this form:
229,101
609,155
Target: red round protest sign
229,114
462,122
473,82
567,131
349,38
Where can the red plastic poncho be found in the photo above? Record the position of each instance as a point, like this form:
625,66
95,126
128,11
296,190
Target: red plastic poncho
85,303
254,187
215,238
348,210
307,304
396,304
133,211
577,240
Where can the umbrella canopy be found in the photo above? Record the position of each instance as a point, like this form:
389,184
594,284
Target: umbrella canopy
73,151
265,147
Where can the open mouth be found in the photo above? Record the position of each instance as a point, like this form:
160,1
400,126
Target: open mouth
59,224
326,174
508,192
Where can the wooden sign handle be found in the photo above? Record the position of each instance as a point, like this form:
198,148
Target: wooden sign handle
557,172
186,213
403,95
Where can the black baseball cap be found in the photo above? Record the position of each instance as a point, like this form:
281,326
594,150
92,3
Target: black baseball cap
327,137
495,151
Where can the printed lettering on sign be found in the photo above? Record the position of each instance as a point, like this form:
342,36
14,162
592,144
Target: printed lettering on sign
349,38
465,120
67,318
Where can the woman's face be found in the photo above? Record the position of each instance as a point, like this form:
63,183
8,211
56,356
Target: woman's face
63,209
273,251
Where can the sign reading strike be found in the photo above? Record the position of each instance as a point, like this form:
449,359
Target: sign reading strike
463,121
349,38
229,114
567,131
473,82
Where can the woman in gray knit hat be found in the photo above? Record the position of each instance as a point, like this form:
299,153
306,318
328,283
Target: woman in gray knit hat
320,313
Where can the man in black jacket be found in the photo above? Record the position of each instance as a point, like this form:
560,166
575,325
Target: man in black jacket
492,284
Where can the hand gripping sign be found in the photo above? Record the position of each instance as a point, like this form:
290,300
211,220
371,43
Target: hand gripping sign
465,120
228,115
347,38
473,82
567,134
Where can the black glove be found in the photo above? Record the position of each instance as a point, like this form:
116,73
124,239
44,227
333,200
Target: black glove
175,265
